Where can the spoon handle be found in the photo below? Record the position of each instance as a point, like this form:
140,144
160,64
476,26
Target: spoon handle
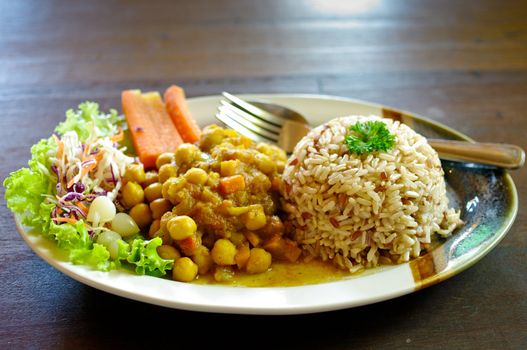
496,154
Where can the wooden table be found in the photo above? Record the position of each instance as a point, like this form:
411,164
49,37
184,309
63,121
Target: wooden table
463,63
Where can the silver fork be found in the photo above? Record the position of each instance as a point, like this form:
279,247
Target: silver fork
266,122
281,126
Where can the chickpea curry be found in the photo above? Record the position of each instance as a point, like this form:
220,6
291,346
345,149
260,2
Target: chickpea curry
215,204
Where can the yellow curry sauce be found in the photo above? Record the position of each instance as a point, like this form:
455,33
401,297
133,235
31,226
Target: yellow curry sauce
285,274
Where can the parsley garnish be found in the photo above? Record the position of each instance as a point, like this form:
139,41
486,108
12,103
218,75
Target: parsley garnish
368,137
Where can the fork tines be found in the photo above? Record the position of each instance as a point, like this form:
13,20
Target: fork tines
253,110
249,120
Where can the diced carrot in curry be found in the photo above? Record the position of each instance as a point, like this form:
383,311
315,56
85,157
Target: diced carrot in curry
242,255
282,249
253,238
291,251
232,184
189,245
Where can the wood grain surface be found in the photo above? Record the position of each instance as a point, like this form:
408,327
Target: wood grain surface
463,63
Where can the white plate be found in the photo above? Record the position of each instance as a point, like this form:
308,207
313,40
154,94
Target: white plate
380,284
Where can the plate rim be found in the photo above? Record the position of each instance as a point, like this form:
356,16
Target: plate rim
70,270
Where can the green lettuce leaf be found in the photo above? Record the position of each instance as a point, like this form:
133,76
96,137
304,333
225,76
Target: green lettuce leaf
88,119
40,155
23,193
25,188
96,256
144,255
71,236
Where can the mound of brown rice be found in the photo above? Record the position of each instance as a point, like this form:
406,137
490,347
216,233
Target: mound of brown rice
364,210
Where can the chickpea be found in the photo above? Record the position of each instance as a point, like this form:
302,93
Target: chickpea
186,154
164,158
181,227
231,134
159,207
164,220
135,172
255,219
171,188
211,136
259,261
132,194
223,252
141,214
203,259
196,176
264,148
153,191
272,151
150,178
154,228
185,270
168,252
229,167
265,164
167,171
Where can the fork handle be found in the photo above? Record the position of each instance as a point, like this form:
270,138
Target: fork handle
291,133
496,154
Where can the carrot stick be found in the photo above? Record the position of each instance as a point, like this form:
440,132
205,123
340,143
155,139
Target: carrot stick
152,131
177,108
